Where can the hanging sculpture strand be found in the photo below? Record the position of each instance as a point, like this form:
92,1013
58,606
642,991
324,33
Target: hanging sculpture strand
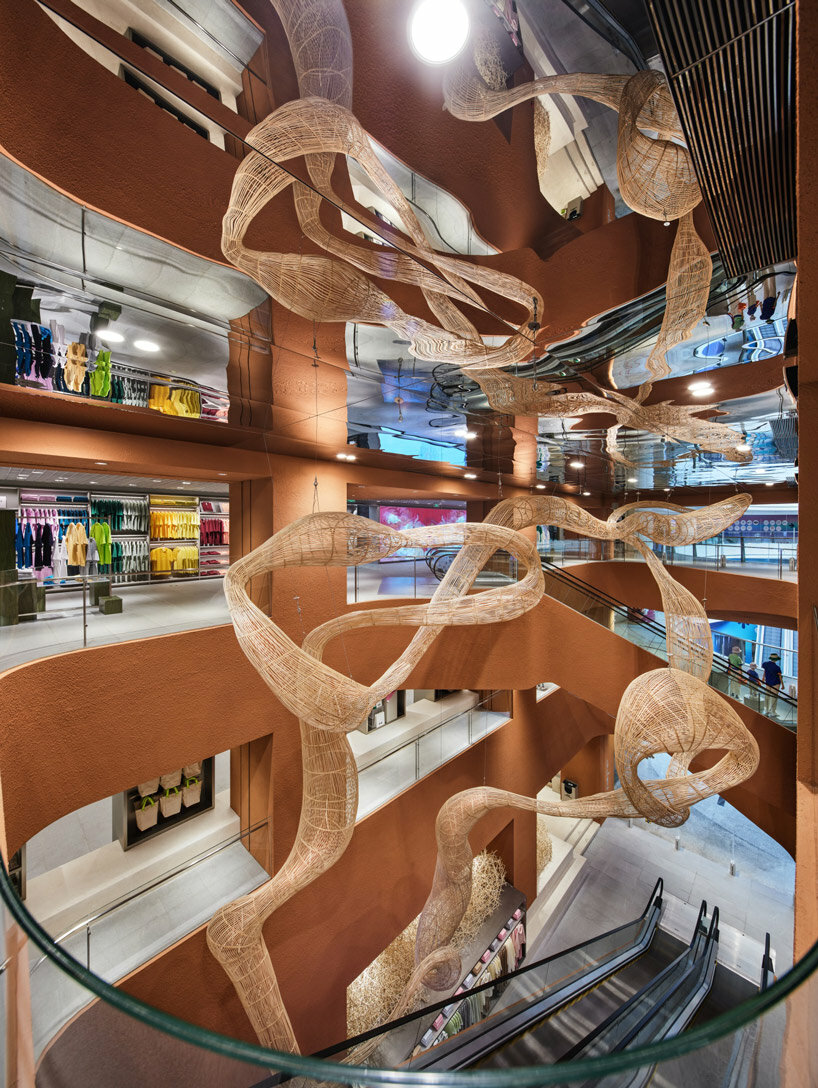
655,177
329,705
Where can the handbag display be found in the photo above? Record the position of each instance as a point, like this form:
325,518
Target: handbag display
168,781
146,812
192,770
191,792
171,802
146,788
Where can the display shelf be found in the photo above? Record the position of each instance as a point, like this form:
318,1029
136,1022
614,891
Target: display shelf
125,829
401,1043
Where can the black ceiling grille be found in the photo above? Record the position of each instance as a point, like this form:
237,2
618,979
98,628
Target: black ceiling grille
731,66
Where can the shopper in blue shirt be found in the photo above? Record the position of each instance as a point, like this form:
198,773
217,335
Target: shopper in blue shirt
772,678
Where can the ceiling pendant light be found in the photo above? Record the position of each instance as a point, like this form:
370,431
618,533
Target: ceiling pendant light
438,30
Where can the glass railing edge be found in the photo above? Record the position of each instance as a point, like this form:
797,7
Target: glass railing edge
296,1064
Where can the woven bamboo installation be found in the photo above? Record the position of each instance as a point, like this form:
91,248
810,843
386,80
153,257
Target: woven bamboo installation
665,710
329,704
656,176
688,287
676,422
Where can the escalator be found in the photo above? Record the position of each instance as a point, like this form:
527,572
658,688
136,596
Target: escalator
631,624
628,988
505,1007
659,1008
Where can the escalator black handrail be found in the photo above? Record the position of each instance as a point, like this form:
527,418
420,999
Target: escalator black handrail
720,662
656,981
767,966
654,902
698,967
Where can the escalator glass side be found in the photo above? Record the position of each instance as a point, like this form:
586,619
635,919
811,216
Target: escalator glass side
443,1035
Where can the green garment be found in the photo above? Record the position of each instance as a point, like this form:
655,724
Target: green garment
736,661
101,378
101,532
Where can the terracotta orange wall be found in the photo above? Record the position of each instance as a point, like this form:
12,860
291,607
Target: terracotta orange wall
806,900
380,883
123,736
592,768
742,597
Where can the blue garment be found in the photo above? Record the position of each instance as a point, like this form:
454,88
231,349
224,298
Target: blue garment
772,673
28,540
19,545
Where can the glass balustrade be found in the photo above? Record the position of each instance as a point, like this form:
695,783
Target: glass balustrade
120,1036
408,760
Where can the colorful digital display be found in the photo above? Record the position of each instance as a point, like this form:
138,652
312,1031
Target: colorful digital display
416,517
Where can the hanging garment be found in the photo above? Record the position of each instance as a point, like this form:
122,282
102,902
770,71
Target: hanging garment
60,560
91,557
38,546
75,367
48,543
100,383
101,532
76,541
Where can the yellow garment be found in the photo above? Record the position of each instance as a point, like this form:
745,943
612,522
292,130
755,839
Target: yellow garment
185,559
161,560
159,399
174,525
76,544
75,367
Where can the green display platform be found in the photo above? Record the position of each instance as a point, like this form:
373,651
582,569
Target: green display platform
108,606
100,589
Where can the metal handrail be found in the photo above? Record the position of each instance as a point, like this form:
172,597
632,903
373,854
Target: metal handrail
720,662
655,902
78,927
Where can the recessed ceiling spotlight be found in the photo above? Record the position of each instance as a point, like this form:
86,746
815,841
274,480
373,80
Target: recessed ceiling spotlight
632,480
221,473
576,464
700,389
157,481
100,462
770,483
667,490
111,336
586,492
146,345
186,481
744,447
540,487
438,30
464,432
469,476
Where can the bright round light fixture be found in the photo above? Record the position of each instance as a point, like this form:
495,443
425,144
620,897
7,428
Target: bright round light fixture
700,389
469,476
540,487
743,447
145,345
586,493
438,30
111,336
576,464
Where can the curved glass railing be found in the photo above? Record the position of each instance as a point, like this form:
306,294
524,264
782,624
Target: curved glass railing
636,627
220,1060
633,625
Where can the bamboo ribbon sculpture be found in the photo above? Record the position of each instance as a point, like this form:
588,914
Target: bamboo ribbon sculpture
685,715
